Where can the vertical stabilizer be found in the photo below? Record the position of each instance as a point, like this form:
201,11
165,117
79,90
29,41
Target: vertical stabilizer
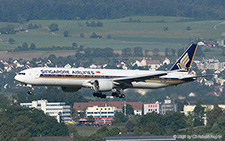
185,61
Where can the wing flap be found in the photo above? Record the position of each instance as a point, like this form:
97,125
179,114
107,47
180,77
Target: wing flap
139,77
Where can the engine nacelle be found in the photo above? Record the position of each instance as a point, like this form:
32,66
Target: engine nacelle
103,85
70,89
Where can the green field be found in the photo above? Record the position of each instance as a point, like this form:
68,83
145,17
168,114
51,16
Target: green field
148,33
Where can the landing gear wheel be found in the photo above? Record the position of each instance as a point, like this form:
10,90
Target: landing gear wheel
29,92
122,96
103,96
95,94
114,94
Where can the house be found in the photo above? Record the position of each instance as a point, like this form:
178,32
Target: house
93,66
59,110
165,61
192,94
80,107
101,112
160,107
122,65
214,93
221,43
153,64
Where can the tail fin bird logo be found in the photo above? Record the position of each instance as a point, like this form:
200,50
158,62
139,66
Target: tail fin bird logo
183,62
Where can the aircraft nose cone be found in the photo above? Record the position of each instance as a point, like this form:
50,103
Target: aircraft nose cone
18,78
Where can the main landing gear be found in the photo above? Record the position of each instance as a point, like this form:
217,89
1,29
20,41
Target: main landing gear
29,89
99,94
115,94
118,94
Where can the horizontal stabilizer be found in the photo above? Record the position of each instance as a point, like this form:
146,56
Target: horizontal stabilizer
196,76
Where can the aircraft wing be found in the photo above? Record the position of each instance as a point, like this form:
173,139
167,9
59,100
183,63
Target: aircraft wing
195,76
144,77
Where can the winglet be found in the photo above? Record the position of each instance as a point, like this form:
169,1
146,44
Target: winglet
186,59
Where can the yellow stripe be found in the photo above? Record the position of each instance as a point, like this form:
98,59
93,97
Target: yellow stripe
193,57
169,82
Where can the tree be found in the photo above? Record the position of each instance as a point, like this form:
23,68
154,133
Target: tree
24,46
213,115
199,114
155,52
153,128
109,36
82,35
21,123
165,28
90,119
188,28
53,27
126,52
74,45
130,126
199,52
175,121
129,110
138,51
11,41
66,34
119,118
180,51
32,46
92,24
99,24
94,35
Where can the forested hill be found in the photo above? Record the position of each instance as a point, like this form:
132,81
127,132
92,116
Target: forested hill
25,10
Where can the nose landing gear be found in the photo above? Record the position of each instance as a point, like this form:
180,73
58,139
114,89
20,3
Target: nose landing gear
29,89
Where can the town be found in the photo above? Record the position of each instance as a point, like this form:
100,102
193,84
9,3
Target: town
103,113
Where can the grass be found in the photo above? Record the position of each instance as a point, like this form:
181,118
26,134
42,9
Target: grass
148,33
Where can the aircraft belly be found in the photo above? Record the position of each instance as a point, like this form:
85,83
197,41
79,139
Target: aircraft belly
58,82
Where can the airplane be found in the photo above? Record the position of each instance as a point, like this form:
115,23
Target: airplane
106,80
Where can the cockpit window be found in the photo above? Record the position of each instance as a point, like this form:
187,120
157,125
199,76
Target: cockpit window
21,73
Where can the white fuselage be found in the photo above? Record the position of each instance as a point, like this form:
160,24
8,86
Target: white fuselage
81,77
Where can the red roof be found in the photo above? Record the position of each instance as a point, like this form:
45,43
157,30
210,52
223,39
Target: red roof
214,93
81,106
163,59
152,62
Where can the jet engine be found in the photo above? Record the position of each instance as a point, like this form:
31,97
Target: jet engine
70,89
102,85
